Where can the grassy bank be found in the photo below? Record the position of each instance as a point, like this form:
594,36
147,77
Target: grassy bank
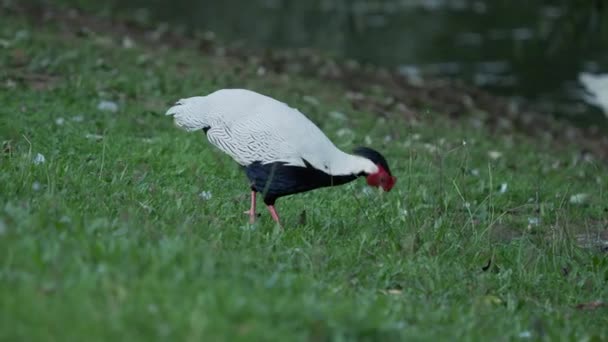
130,229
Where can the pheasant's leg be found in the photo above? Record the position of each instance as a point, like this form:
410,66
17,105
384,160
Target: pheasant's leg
275,215
251,211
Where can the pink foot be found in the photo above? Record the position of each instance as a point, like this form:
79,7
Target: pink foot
275,215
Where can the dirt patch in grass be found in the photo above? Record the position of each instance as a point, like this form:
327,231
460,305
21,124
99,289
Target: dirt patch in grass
597,240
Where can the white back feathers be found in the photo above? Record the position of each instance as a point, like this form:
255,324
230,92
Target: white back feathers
251,127
597,90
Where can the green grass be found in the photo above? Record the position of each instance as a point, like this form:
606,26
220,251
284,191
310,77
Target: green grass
110,239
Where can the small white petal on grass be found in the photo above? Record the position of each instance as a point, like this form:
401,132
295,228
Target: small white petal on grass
368,140
59,121
36,186
337,115
145,206
525,334
533,221
367,191
393,291
310,100
475,172
108,106
344,132
430,147
93,136
491,300
78,118
503,188
152,308
10,83
579,198
39,159
248,227
261,71
127,42
205,195
494,154
22,35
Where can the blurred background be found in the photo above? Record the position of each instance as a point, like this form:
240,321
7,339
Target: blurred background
533,49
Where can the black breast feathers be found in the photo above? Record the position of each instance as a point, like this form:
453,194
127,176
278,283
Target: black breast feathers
277,179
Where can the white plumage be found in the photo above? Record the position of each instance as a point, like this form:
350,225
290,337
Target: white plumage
597,90
251,127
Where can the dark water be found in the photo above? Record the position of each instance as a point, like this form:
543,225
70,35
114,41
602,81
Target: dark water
533,49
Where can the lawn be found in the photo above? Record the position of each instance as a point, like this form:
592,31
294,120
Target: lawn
114,224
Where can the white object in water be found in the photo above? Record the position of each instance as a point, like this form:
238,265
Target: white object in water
596,87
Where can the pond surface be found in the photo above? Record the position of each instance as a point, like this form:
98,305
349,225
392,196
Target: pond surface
532,49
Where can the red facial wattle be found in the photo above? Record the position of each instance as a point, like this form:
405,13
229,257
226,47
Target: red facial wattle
381,179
